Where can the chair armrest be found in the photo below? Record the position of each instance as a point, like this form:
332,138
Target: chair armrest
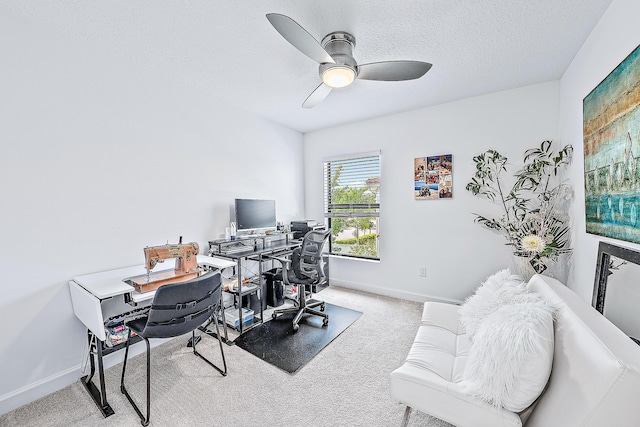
284,261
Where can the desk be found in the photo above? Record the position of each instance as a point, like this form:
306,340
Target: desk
98,297
257,253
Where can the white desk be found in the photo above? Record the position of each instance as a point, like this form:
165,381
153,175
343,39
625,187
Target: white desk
89,291
216,262
99,296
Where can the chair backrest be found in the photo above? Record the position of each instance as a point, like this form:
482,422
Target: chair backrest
310,256
178,308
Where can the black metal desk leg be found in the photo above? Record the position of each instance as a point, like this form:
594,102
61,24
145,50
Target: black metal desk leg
260,293
98,396
239,276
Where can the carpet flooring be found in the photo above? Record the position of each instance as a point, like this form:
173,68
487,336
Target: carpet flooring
276,343
346,384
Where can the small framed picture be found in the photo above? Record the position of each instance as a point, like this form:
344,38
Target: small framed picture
433,177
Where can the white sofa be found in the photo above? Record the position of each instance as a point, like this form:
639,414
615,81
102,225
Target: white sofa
594,382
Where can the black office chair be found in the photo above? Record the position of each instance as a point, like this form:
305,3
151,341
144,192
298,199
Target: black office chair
303,270
177,308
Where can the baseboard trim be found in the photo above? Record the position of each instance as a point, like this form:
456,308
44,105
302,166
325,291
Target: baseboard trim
30,392
38,389
411,296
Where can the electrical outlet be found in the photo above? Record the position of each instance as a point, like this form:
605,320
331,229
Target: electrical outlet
423,272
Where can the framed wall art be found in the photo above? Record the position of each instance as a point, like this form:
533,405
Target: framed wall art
433,177
611,129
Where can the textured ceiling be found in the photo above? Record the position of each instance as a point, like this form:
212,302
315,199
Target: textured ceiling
228,49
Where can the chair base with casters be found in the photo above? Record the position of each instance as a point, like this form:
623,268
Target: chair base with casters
304,306
170,317
302,270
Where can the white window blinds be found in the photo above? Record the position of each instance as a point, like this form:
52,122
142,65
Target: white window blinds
352,204
352,187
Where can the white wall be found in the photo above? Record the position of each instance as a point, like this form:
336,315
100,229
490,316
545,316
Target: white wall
616,36
98,160
439,234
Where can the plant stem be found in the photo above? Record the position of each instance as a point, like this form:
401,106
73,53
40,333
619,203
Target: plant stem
504,204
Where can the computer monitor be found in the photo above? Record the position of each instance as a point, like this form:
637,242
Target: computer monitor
255,216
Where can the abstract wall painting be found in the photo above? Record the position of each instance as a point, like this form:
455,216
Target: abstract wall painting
611,127
433,177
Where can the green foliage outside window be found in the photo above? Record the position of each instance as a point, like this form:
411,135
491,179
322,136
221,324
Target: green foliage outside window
365,240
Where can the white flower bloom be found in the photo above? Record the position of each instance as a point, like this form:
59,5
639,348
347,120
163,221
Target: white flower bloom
533,243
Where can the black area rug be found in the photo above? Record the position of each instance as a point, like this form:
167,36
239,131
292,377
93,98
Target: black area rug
276,343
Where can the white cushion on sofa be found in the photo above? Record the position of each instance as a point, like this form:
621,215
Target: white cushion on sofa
510,360
498,289
432,372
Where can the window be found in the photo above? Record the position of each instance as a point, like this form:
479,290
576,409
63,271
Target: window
352,204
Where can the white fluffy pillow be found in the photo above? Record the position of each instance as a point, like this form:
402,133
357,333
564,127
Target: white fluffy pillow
510,359
499,289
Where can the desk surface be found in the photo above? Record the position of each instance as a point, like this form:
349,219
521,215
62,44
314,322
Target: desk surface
110,283
106,284
216,262
272,247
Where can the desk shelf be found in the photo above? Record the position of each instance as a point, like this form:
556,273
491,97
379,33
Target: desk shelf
246,244
260,249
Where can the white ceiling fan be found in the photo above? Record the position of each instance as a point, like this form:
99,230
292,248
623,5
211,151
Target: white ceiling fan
338,68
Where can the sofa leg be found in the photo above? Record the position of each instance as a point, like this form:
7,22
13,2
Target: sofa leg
405,418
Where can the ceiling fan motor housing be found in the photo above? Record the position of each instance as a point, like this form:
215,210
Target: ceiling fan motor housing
339,45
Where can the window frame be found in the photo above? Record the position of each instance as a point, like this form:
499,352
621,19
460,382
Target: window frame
361,165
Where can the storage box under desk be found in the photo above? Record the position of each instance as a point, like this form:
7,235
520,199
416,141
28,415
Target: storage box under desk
231,316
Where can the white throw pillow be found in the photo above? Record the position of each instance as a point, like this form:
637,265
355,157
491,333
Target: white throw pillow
510,360
499,289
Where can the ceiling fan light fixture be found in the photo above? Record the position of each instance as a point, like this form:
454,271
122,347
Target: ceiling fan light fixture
338,76
338,68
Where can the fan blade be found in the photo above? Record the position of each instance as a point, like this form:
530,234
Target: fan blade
299,38
317,96
393,70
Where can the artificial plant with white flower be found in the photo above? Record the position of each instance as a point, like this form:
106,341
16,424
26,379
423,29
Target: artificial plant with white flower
533,218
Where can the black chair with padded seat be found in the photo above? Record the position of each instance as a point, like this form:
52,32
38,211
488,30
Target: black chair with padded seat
303,270
177,309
